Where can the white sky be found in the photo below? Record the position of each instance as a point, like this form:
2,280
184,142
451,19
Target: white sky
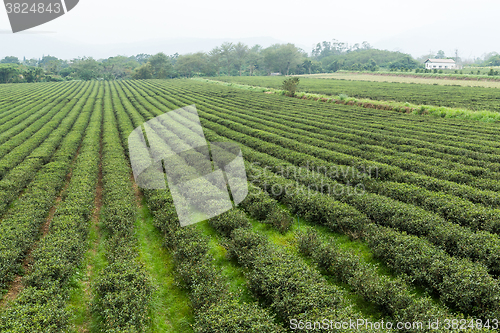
414,27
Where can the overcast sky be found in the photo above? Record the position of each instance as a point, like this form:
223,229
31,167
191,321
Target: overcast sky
415,27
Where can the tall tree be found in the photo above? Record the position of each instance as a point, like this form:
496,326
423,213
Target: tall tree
9,60
227,51
307,64
161,66
282,57
30,62
8,72
240,52
33,74
215,59
143,72
118,67
190,64
142,58
86,68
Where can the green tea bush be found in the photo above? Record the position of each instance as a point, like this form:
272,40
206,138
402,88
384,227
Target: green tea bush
392,296
123,292
226,222
232,316
280,219
257,203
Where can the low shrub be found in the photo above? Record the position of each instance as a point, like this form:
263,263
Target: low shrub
280,219
123,293
232,316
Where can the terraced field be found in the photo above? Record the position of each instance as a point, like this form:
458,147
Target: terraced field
384,221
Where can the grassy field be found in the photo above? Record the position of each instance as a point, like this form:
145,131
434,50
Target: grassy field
352,213
445,81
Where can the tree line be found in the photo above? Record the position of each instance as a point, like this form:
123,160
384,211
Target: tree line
228,59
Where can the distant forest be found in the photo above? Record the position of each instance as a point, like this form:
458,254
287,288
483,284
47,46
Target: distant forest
228,59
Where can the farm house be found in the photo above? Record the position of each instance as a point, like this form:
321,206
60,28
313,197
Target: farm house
440,64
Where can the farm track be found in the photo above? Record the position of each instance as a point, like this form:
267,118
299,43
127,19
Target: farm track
92,251
170,305
446,79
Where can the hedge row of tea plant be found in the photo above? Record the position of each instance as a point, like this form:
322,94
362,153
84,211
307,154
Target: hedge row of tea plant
319,208
296,117
14,104
431,183
463,212
261,206
284,283
215,307
480,136
462,285
122,290
474,98
146,99
18,93
42,304
449,207
454,239
359,146
16,121
342,127
386,171
471,220
20,227
392,296
18,167
432,167
18,144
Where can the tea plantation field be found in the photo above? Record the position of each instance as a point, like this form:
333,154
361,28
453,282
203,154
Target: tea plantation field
354,216
454,96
